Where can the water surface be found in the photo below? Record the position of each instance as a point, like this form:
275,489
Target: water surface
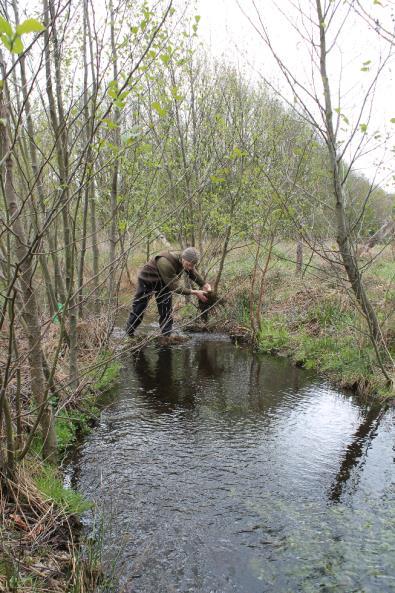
223,471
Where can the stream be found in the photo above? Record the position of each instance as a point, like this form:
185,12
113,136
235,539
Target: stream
217,470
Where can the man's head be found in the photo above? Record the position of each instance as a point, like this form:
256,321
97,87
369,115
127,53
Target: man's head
189,258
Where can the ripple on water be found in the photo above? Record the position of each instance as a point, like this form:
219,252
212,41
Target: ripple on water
219,470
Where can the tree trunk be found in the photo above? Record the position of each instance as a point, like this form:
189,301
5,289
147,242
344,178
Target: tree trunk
343,235
115,173
299,258
30,309
60,132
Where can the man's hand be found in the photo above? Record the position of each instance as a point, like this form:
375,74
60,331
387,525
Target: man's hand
200,294
207,287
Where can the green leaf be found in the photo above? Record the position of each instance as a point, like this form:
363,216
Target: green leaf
144,148
216,179
165,58
30,26
392,120
5,27
123,95
6,41
175,94
109,123
17,45
236,153
363,128
365,69
158,108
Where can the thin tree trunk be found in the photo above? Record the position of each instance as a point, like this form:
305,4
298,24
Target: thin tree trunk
343,235
115,173
30,309
299,258
91,197
60,131
223,257
9,433
262,285
95,249
87,122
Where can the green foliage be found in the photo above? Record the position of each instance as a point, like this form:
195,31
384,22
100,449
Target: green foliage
12,39
49,484
273,335
385,270
73,422
66,429
29,26
161,111
189,310
69,425
108,373
5,27
335,354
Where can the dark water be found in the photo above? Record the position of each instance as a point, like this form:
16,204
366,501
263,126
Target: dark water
219,471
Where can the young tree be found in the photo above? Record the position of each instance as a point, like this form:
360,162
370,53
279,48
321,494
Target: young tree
321,25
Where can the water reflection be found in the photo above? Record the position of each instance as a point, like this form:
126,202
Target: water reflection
355,451
162,377
214,468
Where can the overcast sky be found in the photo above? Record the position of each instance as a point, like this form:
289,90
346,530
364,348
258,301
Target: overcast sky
227,32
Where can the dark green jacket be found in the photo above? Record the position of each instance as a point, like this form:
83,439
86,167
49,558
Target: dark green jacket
166,268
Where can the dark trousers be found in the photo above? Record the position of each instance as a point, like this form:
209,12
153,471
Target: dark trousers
163,301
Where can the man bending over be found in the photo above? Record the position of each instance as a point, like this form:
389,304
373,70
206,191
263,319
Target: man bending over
160,276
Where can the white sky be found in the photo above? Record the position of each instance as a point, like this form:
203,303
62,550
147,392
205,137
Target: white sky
227,32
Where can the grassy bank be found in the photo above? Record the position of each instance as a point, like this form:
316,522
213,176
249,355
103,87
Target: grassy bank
40,530
313,319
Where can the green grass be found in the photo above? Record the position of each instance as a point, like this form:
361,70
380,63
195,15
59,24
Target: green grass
273,335
384,270
107,374
49,484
